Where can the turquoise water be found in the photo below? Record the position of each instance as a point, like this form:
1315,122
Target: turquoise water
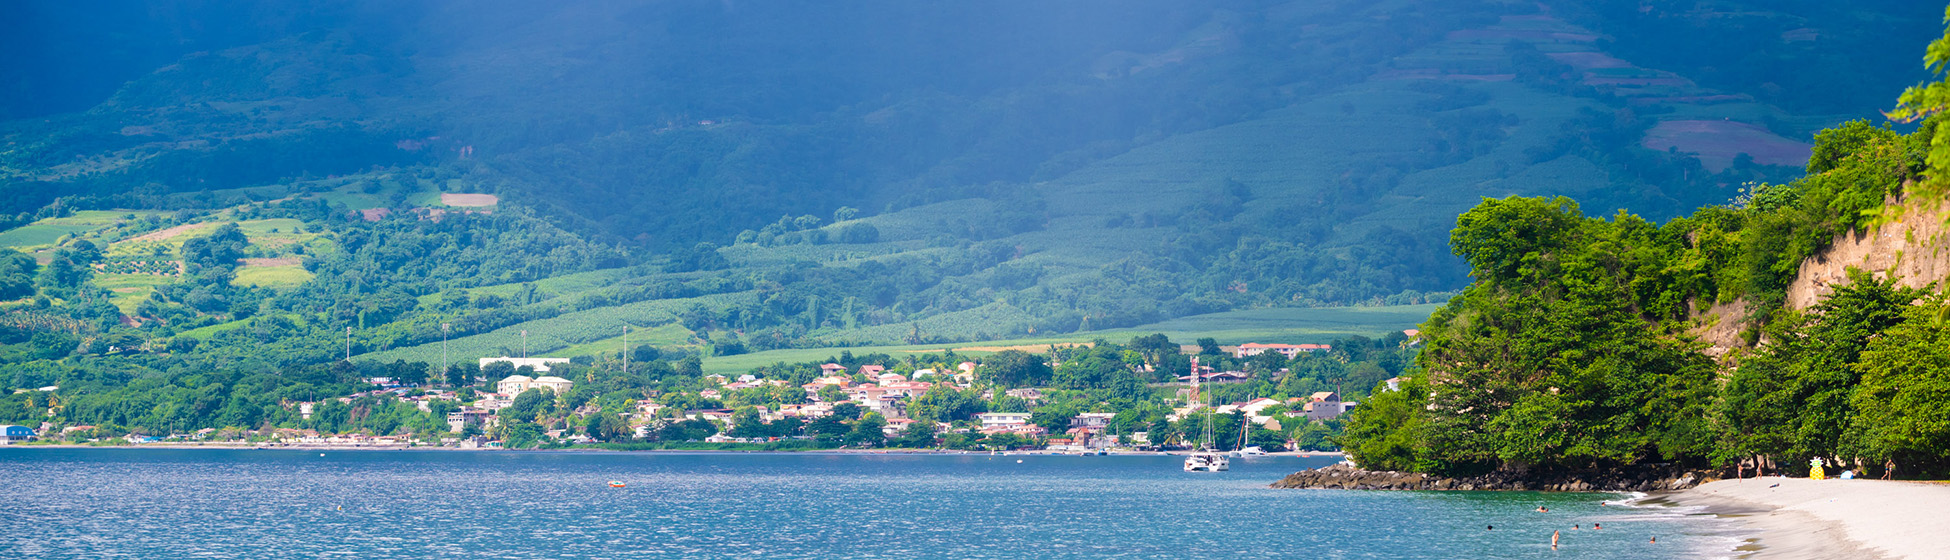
153,504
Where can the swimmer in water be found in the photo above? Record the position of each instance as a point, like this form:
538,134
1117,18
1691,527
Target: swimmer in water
1490,528
1574,527
1655,540
1554,535
1542,509
1596,526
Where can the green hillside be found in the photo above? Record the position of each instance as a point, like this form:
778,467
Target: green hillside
1024,173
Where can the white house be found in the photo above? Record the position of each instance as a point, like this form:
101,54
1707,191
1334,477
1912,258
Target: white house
1002,420
515,384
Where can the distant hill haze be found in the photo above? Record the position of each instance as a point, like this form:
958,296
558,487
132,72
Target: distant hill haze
996,168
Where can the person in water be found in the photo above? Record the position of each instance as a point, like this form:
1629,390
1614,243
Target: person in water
1490,528
1596,526
1554,535
1542,509
1574,527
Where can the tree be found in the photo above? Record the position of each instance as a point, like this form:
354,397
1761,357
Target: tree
529,405
746,423
943,403
918,435
1015,368
16,274
1209,347
1928,99
831,394
1900,415
867,432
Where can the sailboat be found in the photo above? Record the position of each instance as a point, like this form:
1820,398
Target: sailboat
1240,448
1205,459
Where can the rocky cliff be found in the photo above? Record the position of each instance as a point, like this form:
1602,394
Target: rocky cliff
1913,247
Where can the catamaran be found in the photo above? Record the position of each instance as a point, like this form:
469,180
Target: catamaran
1205,459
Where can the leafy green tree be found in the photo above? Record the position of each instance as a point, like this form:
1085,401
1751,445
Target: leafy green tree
529,405
867,431
831,394
918,435
1015,368
16,274
1900,413
1928,99
1792,399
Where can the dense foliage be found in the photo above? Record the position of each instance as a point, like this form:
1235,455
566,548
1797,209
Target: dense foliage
1574,347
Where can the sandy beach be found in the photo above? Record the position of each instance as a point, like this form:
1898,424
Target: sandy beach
1797,518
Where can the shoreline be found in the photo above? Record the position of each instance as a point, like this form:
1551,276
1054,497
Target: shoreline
328,447
1798,518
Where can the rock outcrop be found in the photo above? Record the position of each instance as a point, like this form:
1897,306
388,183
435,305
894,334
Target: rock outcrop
1636,479
1913,248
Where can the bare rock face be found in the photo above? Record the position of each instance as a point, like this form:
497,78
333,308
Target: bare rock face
1913,248
1651,478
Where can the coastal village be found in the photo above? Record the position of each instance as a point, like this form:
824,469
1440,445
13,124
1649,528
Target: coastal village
533,402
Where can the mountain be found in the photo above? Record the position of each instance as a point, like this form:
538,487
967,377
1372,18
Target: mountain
739,177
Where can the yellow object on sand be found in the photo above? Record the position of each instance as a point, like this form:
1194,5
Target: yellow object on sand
1816,474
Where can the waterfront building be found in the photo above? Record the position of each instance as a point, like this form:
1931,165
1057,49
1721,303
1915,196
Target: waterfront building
10,434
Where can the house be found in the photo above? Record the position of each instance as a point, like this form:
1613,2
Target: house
1393,383
896,426
540,365
1002,420
832,369
1251,349
1255,406
1092,420
709,393
552,383
872,370
1324,405
716,379
11,434
467,416
513,385
1032,395
492,403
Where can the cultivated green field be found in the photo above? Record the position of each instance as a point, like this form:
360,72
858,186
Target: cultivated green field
130,289
282,276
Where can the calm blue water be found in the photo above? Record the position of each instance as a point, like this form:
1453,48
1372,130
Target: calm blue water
153,504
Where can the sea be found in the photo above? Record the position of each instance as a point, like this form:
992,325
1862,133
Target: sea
260,504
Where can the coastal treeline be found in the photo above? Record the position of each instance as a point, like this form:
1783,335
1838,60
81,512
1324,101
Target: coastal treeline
1577,345
665,399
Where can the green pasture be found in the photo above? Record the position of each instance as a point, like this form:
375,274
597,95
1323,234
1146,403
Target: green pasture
282,276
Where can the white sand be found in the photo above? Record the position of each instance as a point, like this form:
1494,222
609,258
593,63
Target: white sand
1841,519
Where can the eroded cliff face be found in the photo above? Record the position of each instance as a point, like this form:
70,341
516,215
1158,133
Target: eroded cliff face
1914,249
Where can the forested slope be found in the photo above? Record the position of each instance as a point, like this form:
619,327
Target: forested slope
1575,348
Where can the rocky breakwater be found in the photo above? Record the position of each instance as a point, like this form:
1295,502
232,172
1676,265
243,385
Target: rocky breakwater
1644,479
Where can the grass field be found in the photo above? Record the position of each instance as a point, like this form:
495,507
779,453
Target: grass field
39,235
281,276
130,289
